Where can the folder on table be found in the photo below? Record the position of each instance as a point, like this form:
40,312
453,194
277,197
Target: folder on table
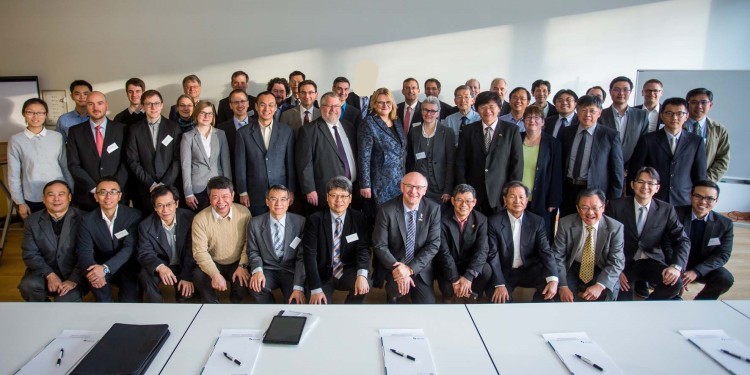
242,347
712,341
581,355
73,344
406,351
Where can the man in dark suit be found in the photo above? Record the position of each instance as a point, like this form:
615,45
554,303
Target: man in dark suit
325,149
336,247
305,112
165,246
349,112
153,151
134,88
711,237
679,156
264,156
279,88
541,89
589,251
500,86
224,111
463,270
432,87
405,241
106,245
293,100
240,107
565,103
521,252
273,250
410,110
652,92
48,249
95,148
490,153
591,155
630,122
650,226
191,86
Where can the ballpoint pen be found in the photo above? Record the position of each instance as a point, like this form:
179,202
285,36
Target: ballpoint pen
60,356
229,357
589,362
398,353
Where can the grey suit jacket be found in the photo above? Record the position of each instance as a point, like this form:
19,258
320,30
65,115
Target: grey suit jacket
293,117
389,237
636,127
442,156
42,251
260,250
609,256
197,168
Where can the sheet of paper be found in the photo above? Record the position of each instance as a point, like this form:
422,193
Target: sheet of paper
310,323
75,344
407,342
242,345
713,341
567,345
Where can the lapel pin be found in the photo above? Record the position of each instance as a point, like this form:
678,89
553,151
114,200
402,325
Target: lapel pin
421,216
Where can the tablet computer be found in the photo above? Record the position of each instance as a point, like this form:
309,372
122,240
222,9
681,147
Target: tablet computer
285,330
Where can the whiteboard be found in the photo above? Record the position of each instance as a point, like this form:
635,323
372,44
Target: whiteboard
13,92
729,106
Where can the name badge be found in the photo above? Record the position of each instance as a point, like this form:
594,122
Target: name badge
295,242
351,238
420,155
121,234
167,140
112,148
714,241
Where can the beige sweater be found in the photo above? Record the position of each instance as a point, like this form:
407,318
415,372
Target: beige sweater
220,241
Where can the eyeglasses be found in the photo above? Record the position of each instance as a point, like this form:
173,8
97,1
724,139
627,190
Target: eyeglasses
160,206
652,91
276,200
460,201
410,187
700,198
587,111
591,209
339,196
206,114
330,106
429,111
566,100
699,102
529,118
236,102
644,182
154,104
518,99
384,104
32,114
679,114
104,193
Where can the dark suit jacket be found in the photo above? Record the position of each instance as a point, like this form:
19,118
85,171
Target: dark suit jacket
293,119
461,252
224,111
659,122
548,175
489,171
352,115
662,230
442,158
535,249
317,245
446,110
550,121
260,251
258,168
317,158
153,245
231,133
43,252
97,246
605,166
678,172
636,127
149,165
718,227
552,111
354,100
415,117
84,162
389,237
505,109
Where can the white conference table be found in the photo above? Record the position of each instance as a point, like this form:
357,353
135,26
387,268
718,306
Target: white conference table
743,307
26,328
641,337
345,339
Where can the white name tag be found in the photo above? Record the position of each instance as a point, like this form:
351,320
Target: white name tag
121,234
714,241
420,155
167,140
351,238
295,242
112,148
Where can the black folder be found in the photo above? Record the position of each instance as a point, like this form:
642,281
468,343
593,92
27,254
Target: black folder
124,349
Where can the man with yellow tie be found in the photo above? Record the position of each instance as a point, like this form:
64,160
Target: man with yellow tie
589,251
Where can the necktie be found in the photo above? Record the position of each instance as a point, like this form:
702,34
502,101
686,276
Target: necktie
306,120
277,243
99,140
338,267
672,144
411,230
242,123
464,121
563,124
587,259
487,138
579,155
641,219
407,120
697,128
154,130
365,105
342,153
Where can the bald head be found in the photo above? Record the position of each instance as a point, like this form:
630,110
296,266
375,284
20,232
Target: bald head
96,105
413,186
499,85
473,84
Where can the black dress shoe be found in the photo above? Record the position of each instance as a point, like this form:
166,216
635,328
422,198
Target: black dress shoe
642,289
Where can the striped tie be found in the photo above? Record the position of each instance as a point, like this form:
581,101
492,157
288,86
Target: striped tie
338,267
411,230
277,244
587,259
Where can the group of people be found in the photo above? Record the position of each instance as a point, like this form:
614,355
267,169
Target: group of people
388,195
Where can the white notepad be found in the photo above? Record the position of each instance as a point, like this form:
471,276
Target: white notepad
242,345
75,344
567,345
407,342
712,341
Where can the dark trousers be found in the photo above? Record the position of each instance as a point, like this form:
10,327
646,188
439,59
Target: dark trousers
275,279
527,277
575,284
34,206
345,283
257,210
649,270
478,284
150,281
483,202
202,198
421,293
549,222
569,194
203,284
126,279
717,283
33,288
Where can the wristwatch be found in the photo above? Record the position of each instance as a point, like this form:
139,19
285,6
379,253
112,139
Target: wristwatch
678,268
106,269
244,265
